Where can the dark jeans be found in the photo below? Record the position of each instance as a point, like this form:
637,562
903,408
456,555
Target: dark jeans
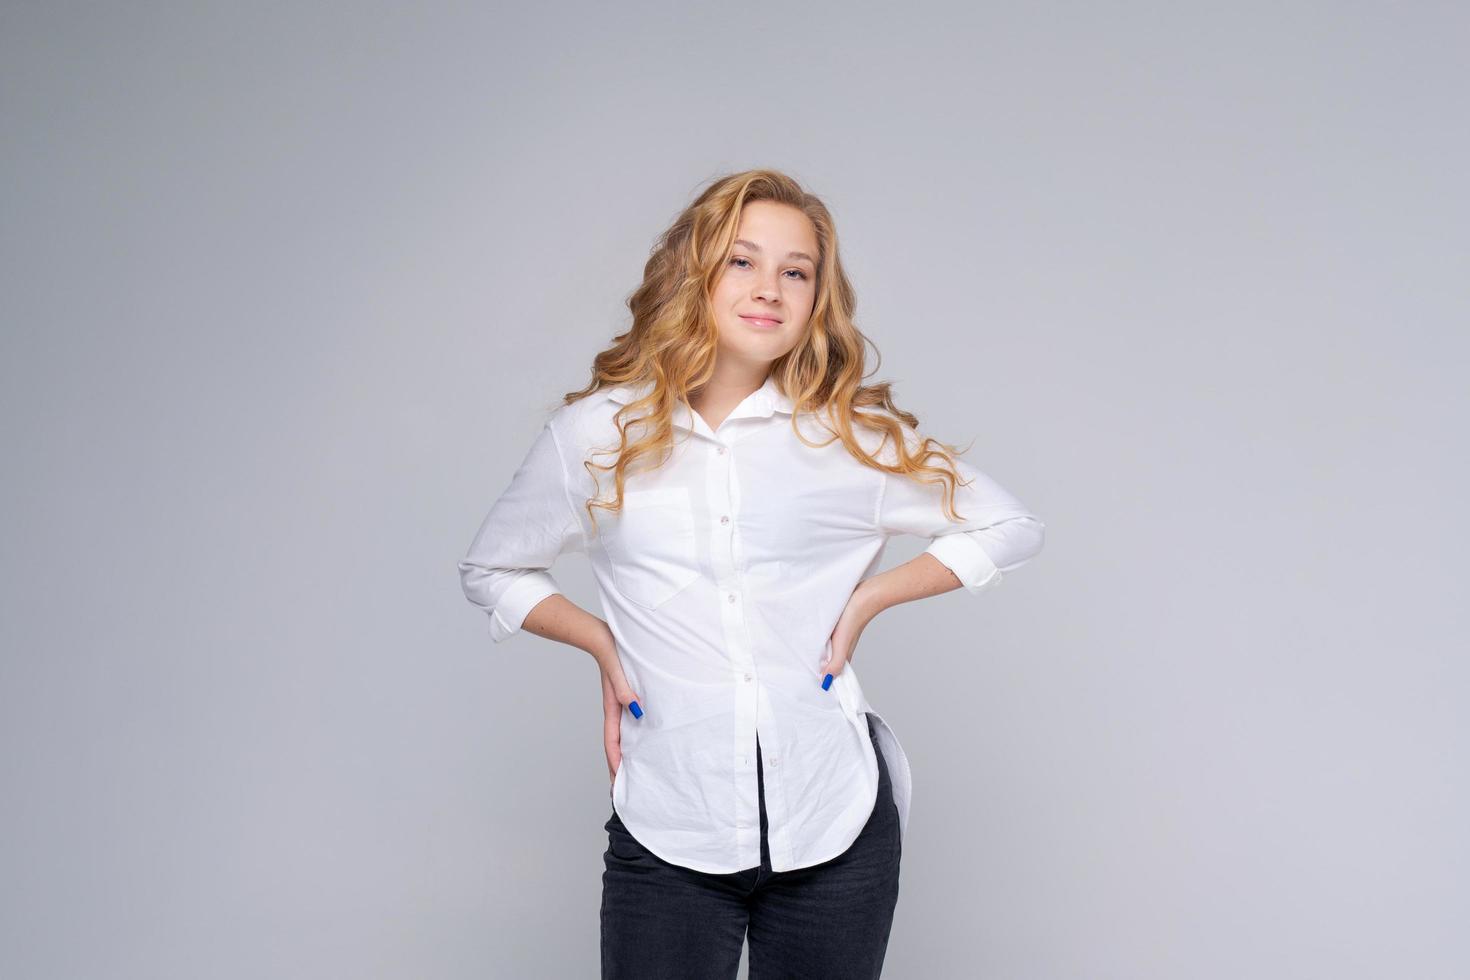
662,921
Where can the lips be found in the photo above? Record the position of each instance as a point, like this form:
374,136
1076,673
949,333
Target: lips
761,321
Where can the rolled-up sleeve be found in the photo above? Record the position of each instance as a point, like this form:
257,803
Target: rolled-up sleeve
998,532
506,570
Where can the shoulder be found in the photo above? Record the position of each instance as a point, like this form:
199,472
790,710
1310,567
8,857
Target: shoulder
878,437
584,423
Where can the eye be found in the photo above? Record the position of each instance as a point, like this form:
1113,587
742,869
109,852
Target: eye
740,258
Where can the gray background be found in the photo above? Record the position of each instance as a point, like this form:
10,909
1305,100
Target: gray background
287,293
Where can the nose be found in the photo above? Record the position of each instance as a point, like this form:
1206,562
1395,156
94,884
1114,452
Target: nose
768,289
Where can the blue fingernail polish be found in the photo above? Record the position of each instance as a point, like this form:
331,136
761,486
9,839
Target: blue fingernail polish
633,707
826,682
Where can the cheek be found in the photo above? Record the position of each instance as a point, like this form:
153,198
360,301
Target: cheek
725,291
801,305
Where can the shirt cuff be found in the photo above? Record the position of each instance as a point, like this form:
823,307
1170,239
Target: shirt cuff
518,601
962,554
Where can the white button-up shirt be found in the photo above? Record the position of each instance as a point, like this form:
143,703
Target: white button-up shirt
721,581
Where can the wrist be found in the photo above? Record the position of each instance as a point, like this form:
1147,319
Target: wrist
603,647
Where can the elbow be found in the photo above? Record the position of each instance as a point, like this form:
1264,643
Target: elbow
484,585
474,580
1030,538
1013,542
505,595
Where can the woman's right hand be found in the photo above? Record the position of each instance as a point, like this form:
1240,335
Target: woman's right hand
616,696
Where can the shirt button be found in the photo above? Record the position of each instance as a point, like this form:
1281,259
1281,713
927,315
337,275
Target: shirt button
724,518
775,762
731,597
747,676
720,450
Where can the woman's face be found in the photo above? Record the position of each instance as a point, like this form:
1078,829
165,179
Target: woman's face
764,297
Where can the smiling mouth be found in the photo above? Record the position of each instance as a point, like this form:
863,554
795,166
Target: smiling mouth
766,322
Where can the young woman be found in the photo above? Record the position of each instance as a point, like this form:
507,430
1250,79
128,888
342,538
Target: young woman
733,483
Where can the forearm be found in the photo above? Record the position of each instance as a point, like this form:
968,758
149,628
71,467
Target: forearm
918,578
558,618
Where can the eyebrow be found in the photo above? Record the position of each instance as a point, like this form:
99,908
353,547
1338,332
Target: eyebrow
790,255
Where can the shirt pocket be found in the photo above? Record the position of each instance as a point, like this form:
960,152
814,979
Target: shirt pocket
651,545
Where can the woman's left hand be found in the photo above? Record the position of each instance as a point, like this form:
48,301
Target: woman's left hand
842,644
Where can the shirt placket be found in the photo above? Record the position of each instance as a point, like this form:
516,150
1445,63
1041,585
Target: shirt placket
723,498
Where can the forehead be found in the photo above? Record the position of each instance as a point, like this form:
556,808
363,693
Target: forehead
777,227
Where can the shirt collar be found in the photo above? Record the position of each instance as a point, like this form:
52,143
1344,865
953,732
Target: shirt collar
761,403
